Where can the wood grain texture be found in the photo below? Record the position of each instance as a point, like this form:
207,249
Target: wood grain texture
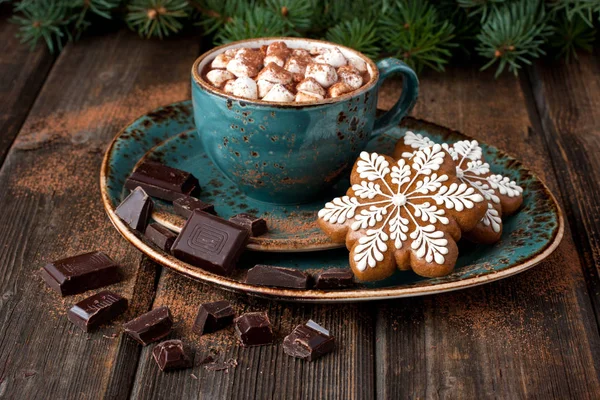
51,209
530,336
264,372
567,101
23,72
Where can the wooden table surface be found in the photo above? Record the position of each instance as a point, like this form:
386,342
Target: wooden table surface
534,335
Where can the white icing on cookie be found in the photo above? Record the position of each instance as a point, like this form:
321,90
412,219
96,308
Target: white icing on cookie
403,212
471,170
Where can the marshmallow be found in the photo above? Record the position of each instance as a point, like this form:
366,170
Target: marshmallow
250,56
311,86
218,77
263,87
230,52
241,69
358,64
228,87
220,61
279,94
275,74
275,60
333,57
324,74
278,49
350,75
300,53
306,97
297,64
338,89
244,87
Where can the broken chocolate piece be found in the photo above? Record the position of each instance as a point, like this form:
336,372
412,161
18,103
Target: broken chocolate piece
210,243
186,205
308,342
135,210
256,226
163,182
170,355
80,273
213,317
254,329
96,310
334,278
268,275
150,327
160,236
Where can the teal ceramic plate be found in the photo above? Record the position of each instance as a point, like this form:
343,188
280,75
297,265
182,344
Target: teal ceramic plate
528,236
292,228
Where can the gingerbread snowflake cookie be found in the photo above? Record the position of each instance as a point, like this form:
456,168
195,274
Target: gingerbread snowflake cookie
405,214
502,196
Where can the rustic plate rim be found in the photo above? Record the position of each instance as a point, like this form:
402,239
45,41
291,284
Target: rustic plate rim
316,296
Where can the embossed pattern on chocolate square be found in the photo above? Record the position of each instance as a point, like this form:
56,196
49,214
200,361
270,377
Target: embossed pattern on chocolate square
211,243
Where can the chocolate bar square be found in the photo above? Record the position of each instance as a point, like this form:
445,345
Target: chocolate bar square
97,309
151,326
256,226
80,273
213,317
170,355
186,205
160,236
211,243
162,181
136,209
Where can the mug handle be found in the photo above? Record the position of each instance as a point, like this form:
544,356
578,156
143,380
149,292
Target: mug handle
410,92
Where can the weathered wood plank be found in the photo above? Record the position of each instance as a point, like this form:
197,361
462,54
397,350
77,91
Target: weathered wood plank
23,72
567,100
261,372
529,336
51,208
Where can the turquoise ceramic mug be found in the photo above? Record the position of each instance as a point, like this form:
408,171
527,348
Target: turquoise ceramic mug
289,153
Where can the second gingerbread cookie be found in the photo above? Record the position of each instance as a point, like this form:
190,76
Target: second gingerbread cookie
405,214
502,195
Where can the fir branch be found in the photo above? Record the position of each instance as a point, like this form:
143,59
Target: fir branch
414,33
571,34
297,14
357,34
582,9
45,20
156,17
255,23
513,35
483,7
214,14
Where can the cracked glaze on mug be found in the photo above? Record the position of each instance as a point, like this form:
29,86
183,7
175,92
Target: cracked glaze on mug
281,154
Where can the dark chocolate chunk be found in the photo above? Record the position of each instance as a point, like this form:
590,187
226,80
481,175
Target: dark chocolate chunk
163,182
213,317
210,243
335,278
150,327
254,329
80,273
170,355
161,236
267,275
135,210
96,310
308,342
186,205
256,226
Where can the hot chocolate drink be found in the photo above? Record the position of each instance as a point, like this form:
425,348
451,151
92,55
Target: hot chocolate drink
277,73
